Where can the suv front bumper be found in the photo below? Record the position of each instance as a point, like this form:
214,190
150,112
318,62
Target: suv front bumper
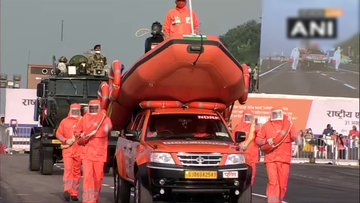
189,179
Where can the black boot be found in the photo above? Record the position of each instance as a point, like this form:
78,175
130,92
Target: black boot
74,198
67,196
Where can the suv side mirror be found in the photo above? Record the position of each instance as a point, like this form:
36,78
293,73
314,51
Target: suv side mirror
40,90
240,137
131,135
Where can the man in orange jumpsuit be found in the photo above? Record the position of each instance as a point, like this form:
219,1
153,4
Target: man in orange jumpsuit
275,139
71,152
178,21
252,151
95,127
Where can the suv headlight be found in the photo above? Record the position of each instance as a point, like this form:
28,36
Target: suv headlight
162,158
233,159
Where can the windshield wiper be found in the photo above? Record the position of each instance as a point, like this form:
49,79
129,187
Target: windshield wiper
74,86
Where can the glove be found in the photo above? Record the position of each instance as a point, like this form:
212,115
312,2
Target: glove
70,141
242,146
78,134
270,141
83,141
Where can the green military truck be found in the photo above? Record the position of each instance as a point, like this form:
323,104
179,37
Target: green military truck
54,97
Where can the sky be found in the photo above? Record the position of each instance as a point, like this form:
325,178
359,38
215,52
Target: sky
31,30
273,31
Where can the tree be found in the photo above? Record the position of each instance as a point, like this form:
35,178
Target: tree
244,41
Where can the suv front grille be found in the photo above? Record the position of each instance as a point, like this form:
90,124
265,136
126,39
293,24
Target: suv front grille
200,159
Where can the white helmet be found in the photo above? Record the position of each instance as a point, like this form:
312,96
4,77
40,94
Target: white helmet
277,115
75,110
94,107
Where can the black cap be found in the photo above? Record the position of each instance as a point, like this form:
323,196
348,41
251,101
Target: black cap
97,46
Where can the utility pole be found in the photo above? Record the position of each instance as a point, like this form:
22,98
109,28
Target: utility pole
0,36
62,30
2,100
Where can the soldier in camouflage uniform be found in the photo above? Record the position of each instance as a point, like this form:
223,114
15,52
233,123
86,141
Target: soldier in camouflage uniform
96,61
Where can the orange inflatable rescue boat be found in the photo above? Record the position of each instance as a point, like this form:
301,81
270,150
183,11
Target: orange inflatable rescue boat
184,69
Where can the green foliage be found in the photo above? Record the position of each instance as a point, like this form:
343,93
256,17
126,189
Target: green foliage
244,42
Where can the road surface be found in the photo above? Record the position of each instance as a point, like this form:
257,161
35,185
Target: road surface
308,184
280,79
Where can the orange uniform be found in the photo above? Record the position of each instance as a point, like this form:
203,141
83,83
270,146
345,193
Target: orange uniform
252,153
71,152
95,128
178,21
354,133
275,139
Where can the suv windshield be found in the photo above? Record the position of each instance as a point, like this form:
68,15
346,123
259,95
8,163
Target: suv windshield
188,127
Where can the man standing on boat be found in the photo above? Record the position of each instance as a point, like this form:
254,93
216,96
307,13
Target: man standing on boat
156,38
179,21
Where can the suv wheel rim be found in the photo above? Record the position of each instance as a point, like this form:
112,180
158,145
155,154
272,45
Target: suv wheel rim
137,192
116,187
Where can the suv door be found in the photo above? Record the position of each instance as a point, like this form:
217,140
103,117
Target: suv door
131,145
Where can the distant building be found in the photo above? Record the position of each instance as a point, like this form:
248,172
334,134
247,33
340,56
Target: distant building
37,72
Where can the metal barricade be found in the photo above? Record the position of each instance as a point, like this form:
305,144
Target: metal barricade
21,139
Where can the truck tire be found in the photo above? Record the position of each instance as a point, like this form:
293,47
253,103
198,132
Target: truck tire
46,160
34,154
141,194
245,196
121,189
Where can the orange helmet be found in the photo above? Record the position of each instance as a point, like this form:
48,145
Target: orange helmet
94,107
75,110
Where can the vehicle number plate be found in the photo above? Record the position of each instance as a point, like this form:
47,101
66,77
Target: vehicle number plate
230,174
200,175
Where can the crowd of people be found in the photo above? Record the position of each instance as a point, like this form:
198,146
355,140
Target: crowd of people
329,142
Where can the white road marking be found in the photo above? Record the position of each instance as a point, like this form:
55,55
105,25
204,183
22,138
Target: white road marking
263,196
259,195
269,71
347,85
349,71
